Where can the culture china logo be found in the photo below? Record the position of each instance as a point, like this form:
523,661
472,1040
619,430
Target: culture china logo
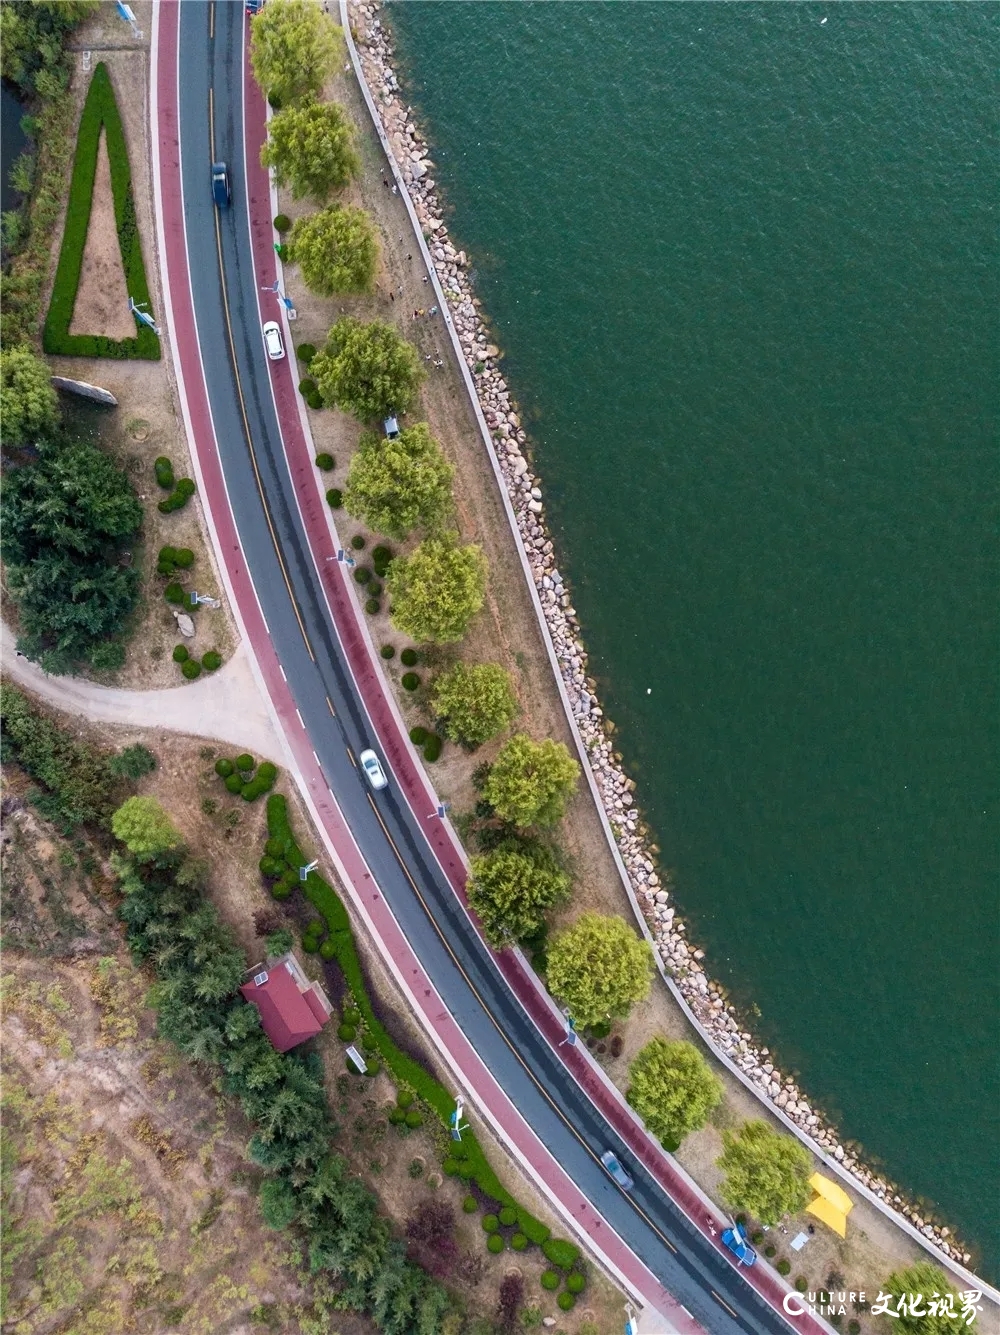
907,1304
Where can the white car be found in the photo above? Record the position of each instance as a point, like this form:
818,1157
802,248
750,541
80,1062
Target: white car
374,772
272,341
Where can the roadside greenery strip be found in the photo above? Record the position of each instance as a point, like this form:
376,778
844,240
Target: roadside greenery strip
100,109
465,1158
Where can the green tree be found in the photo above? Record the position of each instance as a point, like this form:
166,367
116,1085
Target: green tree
672,1088
278,1205
294,47
512,887
766,1173
599,968
133,762
367,369
29,408
142,825
279,942
395,486
926,1279
32,35
437,590
529,782
336,249
476,701
311,149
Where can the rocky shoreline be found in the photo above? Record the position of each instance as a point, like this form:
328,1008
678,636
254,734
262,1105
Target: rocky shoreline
706,999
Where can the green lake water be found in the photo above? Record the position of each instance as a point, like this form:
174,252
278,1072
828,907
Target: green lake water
744,267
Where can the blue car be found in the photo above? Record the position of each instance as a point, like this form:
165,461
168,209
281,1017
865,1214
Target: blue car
736,1240
614,1168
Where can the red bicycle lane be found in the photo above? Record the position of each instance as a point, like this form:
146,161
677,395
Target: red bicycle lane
409,772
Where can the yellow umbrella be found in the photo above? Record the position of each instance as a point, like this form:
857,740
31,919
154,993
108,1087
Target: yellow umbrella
832,1204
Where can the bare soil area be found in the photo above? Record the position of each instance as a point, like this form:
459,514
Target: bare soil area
101,305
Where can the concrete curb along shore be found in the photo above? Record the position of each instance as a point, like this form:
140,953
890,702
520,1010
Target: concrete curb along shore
929,1244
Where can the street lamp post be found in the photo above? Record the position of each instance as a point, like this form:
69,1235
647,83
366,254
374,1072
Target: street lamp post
304,871
571,1036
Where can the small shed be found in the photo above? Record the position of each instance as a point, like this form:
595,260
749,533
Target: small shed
832,1204
391,428
291,1007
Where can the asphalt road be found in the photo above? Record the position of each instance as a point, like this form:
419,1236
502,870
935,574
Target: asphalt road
260,490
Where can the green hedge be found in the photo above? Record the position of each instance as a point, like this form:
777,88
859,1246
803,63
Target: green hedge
466,1158
563,1254
99,109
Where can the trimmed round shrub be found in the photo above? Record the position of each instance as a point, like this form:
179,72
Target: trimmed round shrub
282,223
784,1266
508,1216
358,542
550,1280
490,1223
346,1033
369,1042
770,1250
418,735
268,867
164,471
224,768
310,945
244,762
575,1282
211,661
374,589
518,1242
180,654
801,1283
335,498
381,555
267,772
451,1167
372,606
410,681
470,1205
325,462
408,657
566,1301
397,1117
281,891
305,352
362,575
315,400
166,556
432,747
854,1328
191,669
174,593
414,1118
234,784
405,1098
757,1237
184,557
387,651
495,1243
560,1252
307,386
373,1068
186,488
350,1015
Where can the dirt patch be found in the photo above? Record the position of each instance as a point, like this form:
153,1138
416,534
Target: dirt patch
101,305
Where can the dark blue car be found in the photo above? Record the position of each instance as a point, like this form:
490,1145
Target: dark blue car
736,1240
220,185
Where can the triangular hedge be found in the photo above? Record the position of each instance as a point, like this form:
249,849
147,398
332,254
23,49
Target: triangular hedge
99,109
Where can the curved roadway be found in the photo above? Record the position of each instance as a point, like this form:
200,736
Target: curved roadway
277,552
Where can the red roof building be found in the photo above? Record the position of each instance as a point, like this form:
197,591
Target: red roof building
292,1008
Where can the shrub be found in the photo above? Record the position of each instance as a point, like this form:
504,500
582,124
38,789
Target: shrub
307,386
757,1237
550,1280
315,400
325,462
267,772
281,891
362,575
174,593
184,558
784,1266
405,1098
305,352
374,589
164,471
234,784
518,1242
770,1250
566,1301
179,497
410,681
432,748
381,556
335,498
418,735
854,1327
282,223
268,867
451,1167
372,606
244,762
346,1033
575,1282
490,1223
180,654
470,1205
414,1118
211,661
508,1216
350,1064
408,657
801,1283
387,651
191,669
374,1067
358,542
495,1243
224,768
167,555
561,1253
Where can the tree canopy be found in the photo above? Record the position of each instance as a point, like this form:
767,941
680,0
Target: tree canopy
336,249
145,829
926,1280
32,33
311,149
512,887
599,967
475,701
672,1088
65,516
294,47
437,590
530,782
29,408
367,369
766,1173
395,486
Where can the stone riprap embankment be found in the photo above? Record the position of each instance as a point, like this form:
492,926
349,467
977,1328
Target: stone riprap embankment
706,999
